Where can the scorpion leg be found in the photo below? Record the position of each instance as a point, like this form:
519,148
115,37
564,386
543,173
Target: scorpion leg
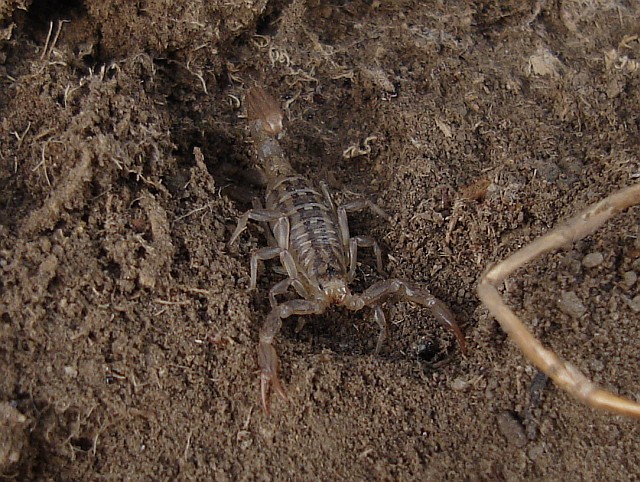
352,206
412,292
283,286
327,195
260,215
281,232
268,360
269,253
360,204
261,254
351,244
271,241
363,242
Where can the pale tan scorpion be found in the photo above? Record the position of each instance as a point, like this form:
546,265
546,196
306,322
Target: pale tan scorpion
311,238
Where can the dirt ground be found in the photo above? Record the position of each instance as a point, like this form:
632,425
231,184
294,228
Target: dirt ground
127,332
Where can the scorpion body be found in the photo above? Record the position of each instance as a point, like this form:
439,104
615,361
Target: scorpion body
311,238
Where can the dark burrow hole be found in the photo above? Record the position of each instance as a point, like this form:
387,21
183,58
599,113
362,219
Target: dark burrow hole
37,20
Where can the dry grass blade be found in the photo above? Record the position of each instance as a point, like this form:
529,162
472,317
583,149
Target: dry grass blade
563,373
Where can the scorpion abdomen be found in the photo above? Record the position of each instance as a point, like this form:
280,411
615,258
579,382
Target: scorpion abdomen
315,239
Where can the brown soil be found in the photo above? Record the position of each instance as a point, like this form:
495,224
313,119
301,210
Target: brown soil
127,334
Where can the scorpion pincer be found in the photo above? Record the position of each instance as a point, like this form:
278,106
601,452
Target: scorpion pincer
311,238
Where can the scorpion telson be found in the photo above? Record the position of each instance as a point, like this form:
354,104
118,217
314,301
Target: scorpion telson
310,236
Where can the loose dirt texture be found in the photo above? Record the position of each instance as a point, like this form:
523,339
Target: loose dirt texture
127,334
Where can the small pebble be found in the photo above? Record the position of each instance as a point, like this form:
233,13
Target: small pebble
634,304
572,265
511,428
460,383
535,451
630,278
596,365
13,438
570,304
592,260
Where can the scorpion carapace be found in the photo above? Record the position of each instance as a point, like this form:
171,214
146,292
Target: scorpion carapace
311,237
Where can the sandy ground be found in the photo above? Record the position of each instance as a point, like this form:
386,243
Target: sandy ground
127,333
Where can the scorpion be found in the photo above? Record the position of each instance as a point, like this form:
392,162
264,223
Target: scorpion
311,237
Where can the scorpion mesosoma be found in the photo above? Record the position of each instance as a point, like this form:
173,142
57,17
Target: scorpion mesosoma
311,238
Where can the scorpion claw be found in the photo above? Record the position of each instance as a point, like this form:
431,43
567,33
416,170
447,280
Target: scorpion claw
268,382
268,361
444,315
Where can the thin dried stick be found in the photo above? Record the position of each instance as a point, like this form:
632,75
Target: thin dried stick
565,375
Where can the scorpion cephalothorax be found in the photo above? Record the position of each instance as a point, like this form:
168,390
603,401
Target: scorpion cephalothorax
311,238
